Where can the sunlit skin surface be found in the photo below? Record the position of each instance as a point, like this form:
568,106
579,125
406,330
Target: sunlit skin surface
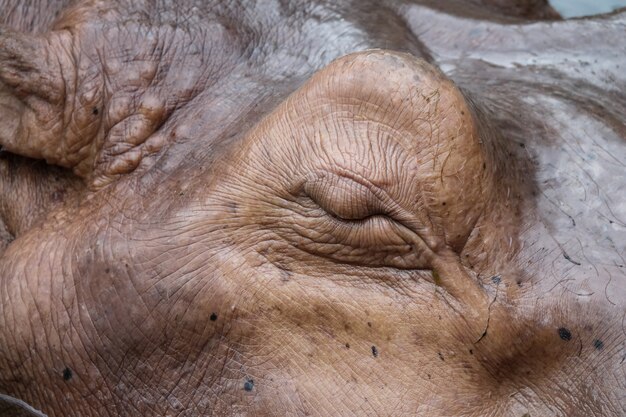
311,208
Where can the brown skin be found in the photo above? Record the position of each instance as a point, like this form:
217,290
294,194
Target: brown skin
256,216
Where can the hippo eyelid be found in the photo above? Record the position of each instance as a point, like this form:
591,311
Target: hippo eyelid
343,198
387,205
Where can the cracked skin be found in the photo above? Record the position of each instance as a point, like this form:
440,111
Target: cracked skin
311,208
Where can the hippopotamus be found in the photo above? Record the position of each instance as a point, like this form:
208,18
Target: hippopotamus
358,207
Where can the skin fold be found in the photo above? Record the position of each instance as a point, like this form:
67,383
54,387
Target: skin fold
311,208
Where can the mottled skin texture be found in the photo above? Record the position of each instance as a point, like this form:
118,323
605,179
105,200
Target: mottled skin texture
311,208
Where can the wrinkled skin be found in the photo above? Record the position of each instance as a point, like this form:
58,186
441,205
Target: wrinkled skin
249,209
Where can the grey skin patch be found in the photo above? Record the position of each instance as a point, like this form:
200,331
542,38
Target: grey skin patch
374,351
394,61
496,279
565,334
248,385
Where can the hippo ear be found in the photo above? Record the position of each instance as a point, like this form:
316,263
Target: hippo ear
28,67
56,105
32,94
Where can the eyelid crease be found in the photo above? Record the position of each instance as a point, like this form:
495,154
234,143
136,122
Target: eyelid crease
379,238
388,206
343,198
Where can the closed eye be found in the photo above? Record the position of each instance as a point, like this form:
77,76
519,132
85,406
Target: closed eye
352,221
343,197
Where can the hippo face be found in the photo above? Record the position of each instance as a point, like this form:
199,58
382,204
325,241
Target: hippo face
395,208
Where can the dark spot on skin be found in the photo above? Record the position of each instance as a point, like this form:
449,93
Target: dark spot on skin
598,344
347,345
440,356
369,324
107,270
248,385
471,352
484,166
95,111
67,374
496,279
428,375
213,317
565,334
443,204
374,351
462,112
519,284
522,145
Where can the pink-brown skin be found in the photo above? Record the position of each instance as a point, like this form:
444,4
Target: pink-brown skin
256,210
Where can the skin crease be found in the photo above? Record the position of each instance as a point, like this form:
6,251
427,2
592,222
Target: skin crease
368,208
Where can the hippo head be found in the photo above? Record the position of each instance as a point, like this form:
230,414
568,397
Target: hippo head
305,210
